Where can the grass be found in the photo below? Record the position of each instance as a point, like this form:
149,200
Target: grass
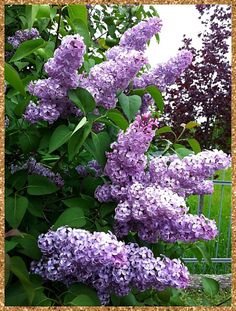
212,203
199,298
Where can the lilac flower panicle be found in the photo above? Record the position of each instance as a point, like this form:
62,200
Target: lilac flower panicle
105,79
38,169
162,76
101,261
151,194
165,74
23,35
137,37
52,92
127,161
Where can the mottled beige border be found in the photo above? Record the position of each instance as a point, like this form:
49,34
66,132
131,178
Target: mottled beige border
233,306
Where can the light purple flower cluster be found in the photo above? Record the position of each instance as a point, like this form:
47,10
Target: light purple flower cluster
166,73
127,161
151,195
162,75
92,167
23,35
109,77
52,92
101,261
188,175
38,169
137,37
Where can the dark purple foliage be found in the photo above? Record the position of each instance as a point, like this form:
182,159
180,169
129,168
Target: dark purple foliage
203,92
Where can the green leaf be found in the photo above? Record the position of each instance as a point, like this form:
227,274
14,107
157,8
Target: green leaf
101,142
80,27
47,51
130,105
15,210
204,253
128,300
83,99
77,140
29,246
164,129
78,203
72,217
10,245
59,137
191,125
31,12
13,78
164,295
15,295
117,117
78,11
194,144
26,48
210,286
183,152
18,267
81,295
43,11
40,185
157,96
81,123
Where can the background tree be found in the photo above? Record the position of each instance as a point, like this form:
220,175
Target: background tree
203,92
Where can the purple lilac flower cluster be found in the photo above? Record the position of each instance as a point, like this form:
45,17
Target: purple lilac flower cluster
162,75
188,175
52,92
127,161
151,195
38,169
23,35
100,260
93,166
123,64
109,77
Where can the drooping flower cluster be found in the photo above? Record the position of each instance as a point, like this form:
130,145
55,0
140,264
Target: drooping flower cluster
137,37
188,175
92,167
23,35
166,73
162,75
109,77
100,260
127,161
123,64
151,195
38,169
52,92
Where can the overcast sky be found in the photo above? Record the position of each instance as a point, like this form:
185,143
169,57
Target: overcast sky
177,21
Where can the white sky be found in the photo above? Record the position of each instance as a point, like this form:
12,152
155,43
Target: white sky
177,21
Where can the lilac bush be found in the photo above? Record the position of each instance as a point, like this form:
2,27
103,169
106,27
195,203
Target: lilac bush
83,112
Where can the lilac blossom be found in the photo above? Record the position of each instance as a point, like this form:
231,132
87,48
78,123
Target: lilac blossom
126,161
150,194
109,77
52,92
162,75
165,74
23,35
38,169
92,167
100,260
